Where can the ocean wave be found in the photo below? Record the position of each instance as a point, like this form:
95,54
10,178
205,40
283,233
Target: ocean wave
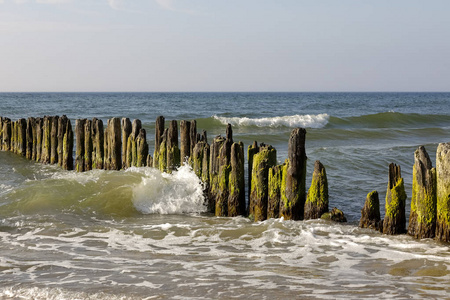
176,193
107,193
391,119
305,121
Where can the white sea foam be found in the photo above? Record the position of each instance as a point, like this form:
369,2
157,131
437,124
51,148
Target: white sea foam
162,193
306,121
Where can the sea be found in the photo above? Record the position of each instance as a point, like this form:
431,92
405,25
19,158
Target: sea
142,234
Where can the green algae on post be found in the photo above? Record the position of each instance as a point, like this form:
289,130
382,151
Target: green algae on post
443,192
370,213
395,220
317,200
422,218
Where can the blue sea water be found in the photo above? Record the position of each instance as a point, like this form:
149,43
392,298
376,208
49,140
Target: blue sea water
143,234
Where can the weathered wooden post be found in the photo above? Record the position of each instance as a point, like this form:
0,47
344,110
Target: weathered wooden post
422,218
206,177
193,139
317,200
274,187
67,151
443,192
131,148
54,139
62,128
126,131
39,134
370,214
80,144
142,148
294,183
162,155
185,141
236,183
259,193
173,152
159,131
6,138
395,220
88,145
46,139
31,124
251,151
98,144
12,147
114,144
214,164
223,161
21,137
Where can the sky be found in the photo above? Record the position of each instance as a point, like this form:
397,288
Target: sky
224,45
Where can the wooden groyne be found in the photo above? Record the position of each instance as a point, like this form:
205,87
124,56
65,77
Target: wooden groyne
274,190
430,201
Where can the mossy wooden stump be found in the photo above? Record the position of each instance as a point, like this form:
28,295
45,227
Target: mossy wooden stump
6,134
274,197
370,213
236,182
395,220
293,193
259,193
126,131
113,145
443,192
98,144
185,140
317,200
422,218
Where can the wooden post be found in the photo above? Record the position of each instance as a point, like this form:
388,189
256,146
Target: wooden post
173,152
159,131
259,193
98,150
54,139
46,140
39,135
317,200
206,177
80,144
422,218
193,140
6,138
31,123
67,161
126,131
142,148
114,144
443,192
21,141
88,145
395,220
62,128
274,186
236,183
185,141
370,214
162,155
294,193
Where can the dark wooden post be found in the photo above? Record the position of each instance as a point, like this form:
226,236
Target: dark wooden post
370,214
54,139
62,128
173,151
443,192
67,161
80,144
88,145
31,124
39,134
294,195
159,131
98,147
185,141
126,131
236,184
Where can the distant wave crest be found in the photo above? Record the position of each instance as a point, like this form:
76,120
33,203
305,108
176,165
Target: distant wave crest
306,121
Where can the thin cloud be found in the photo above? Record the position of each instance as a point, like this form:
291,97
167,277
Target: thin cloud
166,4
115,4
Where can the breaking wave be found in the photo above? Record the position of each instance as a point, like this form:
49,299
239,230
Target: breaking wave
305,121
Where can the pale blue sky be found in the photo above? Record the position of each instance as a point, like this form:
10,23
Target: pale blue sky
224,45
